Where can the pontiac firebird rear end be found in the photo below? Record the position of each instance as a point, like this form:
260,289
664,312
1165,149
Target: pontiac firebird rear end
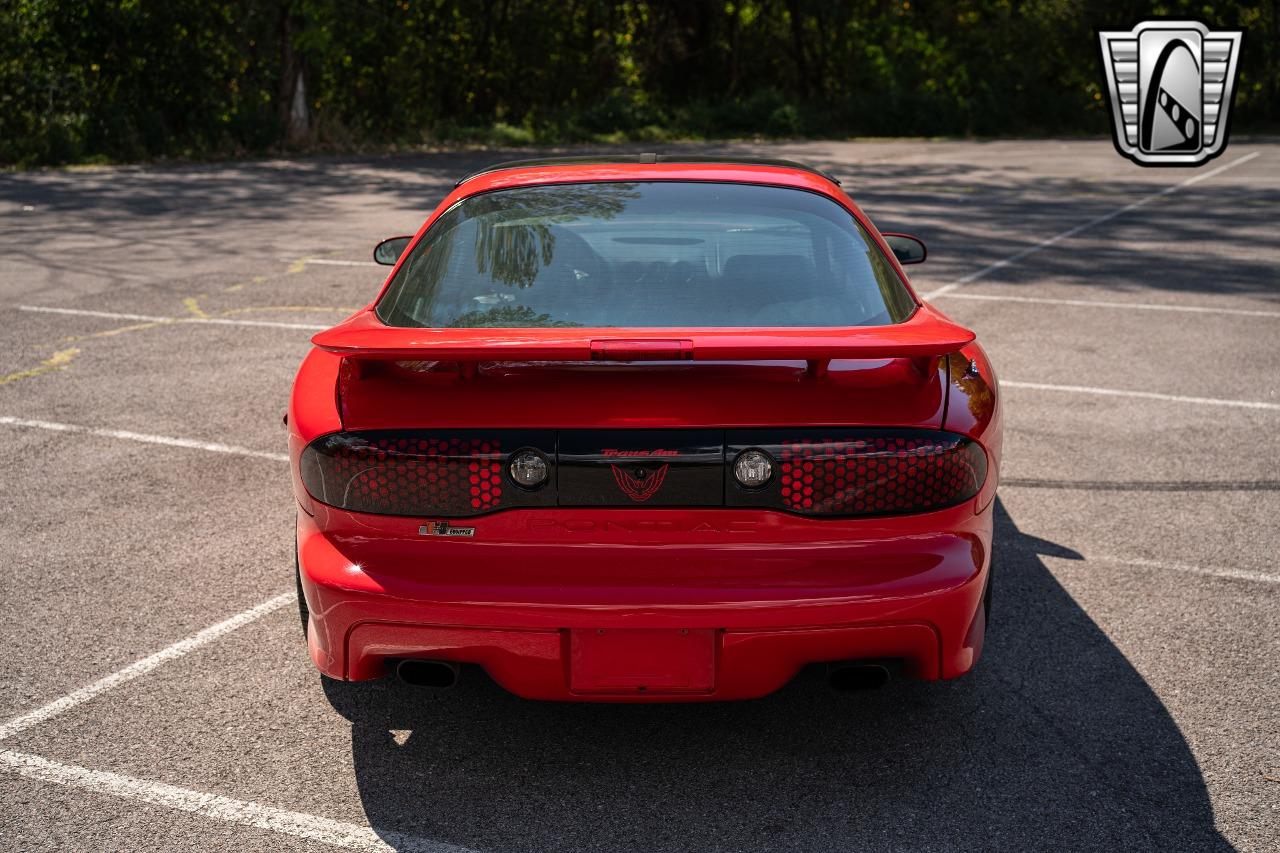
645,431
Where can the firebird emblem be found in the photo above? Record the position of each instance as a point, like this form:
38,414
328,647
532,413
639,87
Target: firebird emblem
641,485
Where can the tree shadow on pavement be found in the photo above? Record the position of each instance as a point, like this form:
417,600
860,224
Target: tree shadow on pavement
118,224
1053,741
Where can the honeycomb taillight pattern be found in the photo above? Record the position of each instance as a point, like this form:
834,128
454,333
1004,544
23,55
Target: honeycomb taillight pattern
411,475
878,475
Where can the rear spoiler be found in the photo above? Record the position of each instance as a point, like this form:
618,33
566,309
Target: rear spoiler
927,334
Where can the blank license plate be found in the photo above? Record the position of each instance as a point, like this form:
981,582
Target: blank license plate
634,660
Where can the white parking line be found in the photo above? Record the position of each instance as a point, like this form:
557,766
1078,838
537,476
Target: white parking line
333,262
1208,571
311,827
1144,395
142,667
170,441
110,315
1100,303
145,318
1084,226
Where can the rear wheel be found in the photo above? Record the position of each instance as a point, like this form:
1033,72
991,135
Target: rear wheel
986,597
303,612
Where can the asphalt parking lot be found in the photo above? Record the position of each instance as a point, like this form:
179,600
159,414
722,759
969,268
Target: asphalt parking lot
157,693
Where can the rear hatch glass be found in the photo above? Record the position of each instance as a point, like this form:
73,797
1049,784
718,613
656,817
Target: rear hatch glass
645,254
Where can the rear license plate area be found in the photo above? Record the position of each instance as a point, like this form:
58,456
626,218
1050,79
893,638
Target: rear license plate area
642,661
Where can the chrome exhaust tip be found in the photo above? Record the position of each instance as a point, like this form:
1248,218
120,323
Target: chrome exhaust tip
432,674
857,675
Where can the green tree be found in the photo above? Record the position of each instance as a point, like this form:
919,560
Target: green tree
138,79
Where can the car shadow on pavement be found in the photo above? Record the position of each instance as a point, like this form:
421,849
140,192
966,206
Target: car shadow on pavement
1054,741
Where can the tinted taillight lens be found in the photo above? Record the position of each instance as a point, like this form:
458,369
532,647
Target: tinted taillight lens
415,472
828,472
864,472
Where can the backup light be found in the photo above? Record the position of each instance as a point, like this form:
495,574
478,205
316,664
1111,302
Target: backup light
753,468
529,469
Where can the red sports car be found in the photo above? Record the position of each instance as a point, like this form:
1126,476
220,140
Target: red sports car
645,428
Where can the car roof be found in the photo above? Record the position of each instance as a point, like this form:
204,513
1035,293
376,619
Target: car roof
645,159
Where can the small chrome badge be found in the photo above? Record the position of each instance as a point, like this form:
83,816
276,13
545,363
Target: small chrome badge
444,528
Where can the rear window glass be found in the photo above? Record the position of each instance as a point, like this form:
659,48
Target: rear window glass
645,254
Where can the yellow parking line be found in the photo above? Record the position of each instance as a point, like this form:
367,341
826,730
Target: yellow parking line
111,332
58,361
192,304
236,288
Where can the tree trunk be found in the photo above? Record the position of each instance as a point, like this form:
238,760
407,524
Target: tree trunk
295,115
1272,107
735,39
797,40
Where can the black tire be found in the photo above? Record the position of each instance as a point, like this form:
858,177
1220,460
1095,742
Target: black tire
986,597
303,612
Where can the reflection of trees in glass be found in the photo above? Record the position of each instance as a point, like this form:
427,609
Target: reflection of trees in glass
895,298
514,240
507,316
420,277
514,236
979,394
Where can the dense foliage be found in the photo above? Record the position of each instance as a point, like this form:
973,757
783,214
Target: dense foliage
136,79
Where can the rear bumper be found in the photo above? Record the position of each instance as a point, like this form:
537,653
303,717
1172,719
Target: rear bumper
775,592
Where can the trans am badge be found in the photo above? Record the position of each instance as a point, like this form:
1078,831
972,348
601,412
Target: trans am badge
1170,85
